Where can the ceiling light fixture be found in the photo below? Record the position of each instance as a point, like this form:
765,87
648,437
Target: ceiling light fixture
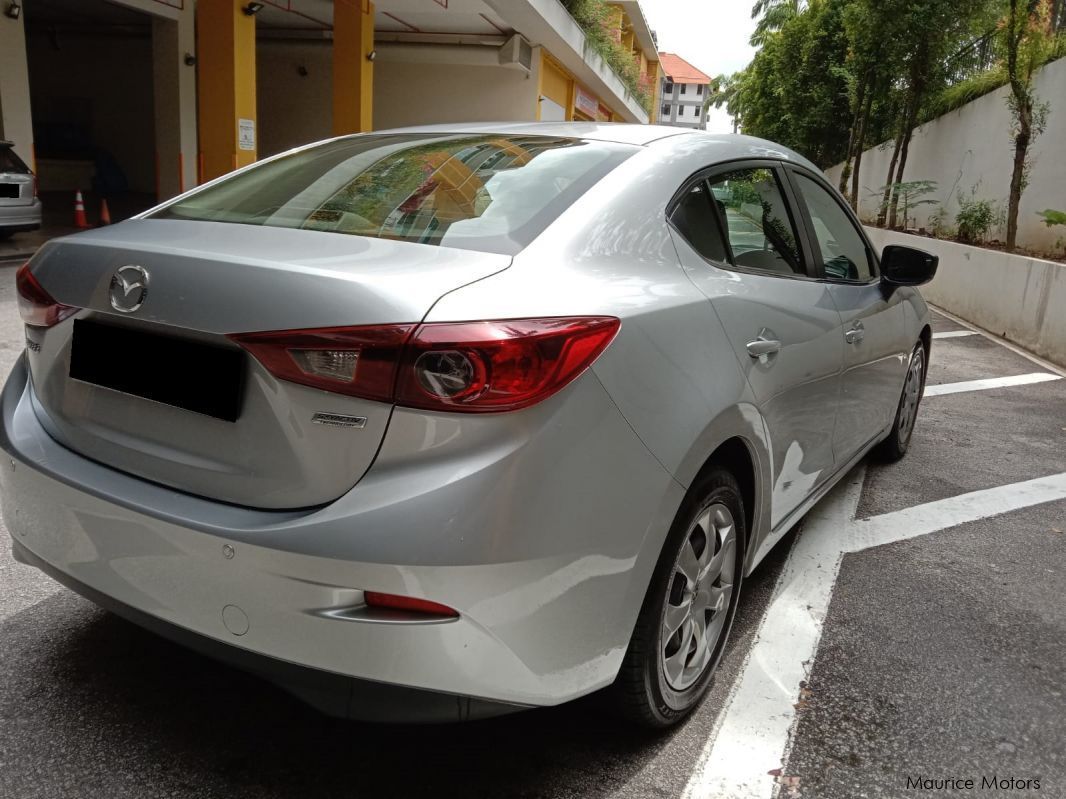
252,9
14,10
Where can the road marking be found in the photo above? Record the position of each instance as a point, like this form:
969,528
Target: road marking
753,734
955,333
992,382
1043,364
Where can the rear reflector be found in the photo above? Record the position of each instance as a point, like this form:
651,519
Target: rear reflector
36,306
469,367
376,599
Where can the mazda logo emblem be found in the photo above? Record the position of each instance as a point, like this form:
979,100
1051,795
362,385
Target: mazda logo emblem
129,288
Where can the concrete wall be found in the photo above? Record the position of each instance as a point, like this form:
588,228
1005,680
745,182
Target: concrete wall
971,147
15,124
102,83
293,109
404,96
1021,299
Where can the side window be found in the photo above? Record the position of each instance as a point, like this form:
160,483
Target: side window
761,233
843,250
695,219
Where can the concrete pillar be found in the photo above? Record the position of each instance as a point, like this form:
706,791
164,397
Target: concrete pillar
175,103
353,70
16,121
226,70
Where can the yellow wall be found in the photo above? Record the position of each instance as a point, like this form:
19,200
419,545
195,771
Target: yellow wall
555,84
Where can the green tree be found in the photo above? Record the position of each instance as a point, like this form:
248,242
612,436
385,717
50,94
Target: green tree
725,90
772,16
795,91
1027,43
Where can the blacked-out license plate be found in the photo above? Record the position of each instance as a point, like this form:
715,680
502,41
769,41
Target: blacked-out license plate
186,374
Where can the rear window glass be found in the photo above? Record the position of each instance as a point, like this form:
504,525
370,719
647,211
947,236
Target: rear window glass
9,162
487,193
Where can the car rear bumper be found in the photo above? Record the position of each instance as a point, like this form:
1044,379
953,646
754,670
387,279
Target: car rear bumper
540,622
335,694
20,217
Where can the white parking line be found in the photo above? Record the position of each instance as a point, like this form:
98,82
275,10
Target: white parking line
955,333
991,382
1043,364
752,736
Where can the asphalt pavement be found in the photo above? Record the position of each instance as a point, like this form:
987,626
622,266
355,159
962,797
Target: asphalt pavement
939,656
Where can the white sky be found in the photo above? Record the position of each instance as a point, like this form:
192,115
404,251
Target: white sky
710,34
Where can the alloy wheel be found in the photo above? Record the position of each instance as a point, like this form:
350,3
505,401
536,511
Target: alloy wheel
912,394
698,599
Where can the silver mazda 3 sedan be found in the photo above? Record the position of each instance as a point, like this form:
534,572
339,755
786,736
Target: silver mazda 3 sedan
443,422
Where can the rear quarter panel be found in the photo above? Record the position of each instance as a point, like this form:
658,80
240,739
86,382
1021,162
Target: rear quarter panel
671,371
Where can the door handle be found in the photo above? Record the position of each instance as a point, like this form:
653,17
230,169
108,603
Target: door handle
855,334
764,346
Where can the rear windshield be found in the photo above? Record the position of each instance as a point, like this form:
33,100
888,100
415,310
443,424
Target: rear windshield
489,193
9,162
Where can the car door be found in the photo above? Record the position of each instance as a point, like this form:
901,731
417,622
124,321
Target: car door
871,326
737,239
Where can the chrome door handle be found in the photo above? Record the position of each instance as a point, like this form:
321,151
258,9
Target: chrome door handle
764,346
855,334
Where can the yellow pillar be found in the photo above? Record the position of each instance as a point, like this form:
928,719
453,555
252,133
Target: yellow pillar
225,61
353,70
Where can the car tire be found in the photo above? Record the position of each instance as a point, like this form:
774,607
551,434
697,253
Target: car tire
899,437
665,675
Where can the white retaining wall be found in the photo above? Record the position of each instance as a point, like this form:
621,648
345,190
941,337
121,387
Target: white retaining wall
1021,299
971,146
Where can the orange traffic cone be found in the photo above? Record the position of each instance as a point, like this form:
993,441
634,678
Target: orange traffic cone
79,212
105,214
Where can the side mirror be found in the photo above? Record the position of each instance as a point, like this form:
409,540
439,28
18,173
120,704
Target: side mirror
906,266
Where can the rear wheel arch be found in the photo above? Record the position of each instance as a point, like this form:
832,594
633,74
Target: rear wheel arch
736,456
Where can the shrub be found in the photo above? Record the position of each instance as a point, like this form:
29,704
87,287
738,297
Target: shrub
1052,218
591,16
977,217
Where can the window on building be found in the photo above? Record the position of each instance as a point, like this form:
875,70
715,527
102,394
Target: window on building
666,110
683,87
699,88
668,88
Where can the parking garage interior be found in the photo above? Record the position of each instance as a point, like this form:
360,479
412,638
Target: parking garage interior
91,87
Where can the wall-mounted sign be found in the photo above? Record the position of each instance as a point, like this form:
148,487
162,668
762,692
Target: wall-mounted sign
586,103
246,134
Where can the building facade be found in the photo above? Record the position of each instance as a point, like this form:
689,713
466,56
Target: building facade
684,93
171,93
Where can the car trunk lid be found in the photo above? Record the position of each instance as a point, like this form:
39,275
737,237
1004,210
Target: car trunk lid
289,445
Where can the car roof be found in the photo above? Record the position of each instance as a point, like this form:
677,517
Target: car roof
728,146
600,131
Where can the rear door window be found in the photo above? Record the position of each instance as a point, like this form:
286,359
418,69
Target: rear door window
759,228
9,162
490,193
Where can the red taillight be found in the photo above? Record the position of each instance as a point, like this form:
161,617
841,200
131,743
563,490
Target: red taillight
376,599
360,361
36,306
498,366
472,367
